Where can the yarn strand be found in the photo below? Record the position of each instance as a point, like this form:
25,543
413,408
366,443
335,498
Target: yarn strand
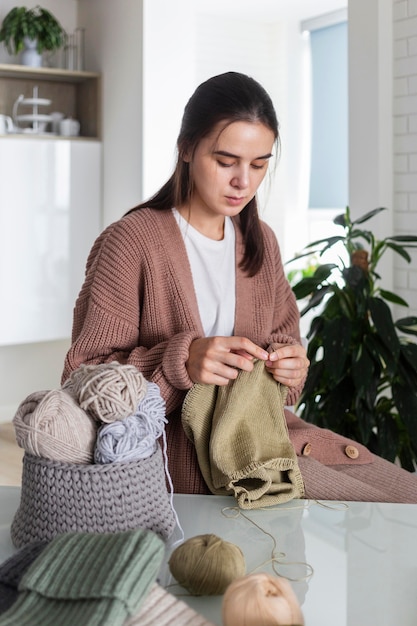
171,491
276,556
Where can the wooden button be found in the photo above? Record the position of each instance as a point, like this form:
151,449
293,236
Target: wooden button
352,452
307,449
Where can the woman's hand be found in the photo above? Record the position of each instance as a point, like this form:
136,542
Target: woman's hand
288,364
216,360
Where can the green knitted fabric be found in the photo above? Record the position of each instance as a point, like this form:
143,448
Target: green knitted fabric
87,578
241,439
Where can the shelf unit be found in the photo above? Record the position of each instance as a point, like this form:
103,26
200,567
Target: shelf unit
74,93
50,203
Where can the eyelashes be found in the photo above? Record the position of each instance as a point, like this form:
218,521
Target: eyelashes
253,165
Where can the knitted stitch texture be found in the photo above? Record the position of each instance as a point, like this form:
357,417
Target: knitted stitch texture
63,497
241,438
82,578
161,608
13,570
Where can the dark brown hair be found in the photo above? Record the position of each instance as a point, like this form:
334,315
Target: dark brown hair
230,97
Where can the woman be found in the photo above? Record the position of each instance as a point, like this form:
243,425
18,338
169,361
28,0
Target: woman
189,287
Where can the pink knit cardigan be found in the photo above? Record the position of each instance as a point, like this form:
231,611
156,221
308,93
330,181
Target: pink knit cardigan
138,306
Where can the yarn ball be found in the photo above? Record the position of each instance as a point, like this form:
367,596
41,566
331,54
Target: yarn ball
51,425
134,437
206,565
261,600
108,391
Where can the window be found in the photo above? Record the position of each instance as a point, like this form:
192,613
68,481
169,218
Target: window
329,152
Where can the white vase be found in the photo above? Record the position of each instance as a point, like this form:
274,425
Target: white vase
30,56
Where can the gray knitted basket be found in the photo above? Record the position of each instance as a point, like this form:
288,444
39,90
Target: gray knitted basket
65,497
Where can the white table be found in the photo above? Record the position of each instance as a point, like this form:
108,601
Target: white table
364,556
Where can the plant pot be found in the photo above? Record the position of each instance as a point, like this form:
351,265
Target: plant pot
30,56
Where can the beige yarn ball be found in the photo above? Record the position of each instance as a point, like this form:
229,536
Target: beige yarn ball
51,425
261,600
108,391
206,565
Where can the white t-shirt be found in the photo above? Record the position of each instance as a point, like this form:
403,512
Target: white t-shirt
213,269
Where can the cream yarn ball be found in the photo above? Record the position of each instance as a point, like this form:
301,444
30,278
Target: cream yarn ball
261,600
51,425
108,391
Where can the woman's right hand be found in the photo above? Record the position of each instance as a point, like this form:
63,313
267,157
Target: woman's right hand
216,360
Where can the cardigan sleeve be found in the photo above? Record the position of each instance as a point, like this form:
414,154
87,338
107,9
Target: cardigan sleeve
108,311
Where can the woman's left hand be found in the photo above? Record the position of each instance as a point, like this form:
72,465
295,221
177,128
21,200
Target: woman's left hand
288,364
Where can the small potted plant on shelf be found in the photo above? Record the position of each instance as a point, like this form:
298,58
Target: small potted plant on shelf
31,31
362,381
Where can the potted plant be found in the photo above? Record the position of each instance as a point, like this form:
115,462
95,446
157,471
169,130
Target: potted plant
35,29
362,381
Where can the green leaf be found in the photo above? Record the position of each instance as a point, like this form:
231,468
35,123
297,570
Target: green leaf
363,370
307,401
407,458
407,325
381,354
404,238
336,340
345,304
340,220
365,234
409,351
316,299
314,330
355,276
336,403
400,250
310,284
388,436
330,241
315,374
365,421
368,216
408,364
384,325
305,287
406,403
392,297
324,271
301,255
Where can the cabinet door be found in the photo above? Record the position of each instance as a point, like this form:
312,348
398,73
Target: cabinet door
49,217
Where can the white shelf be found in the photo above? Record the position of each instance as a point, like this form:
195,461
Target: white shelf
45,73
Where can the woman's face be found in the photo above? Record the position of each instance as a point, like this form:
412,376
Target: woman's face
227,168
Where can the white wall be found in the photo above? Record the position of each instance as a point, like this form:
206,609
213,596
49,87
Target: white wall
370,118
169,67
30,367
405,144
114,48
